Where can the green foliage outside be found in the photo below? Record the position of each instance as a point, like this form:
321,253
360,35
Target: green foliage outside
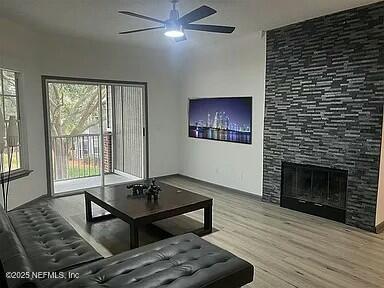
77,172
74,108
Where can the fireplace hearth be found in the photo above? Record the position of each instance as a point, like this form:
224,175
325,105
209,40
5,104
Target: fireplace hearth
315,190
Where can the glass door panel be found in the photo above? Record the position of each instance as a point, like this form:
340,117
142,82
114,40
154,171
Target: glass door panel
76,149
96,134
129,139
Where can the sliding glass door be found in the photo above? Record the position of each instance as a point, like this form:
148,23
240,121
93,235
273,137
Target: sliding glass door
95,134
129,143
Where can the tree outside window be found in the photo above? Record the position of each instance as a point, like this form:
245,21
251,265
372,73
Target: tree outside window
9,105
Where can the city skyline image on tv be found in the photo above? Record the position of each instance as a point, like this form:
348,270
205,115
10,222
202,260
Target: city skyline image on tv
223,119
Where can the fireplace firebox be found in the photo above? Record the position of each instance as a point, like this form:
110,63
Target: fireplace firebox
315,190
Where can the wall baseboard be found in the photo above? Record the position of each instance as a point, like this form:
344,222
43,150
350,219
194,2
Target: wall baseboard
227,189
165,176
379,228
30,203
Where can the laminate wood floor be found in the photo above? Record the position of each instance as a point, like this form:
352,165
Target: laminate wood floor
287,248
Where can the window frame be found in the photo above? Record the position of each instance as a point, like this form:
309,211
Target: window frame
23,170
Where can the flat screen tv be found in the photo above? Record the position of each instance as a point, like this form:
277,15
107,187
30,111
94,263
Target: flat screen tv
222,119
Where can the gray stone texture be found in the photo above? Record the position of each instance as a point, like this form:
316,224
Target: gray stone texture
324,103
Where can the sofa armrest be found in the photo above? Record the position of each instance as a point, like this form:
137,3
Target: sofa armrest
14,260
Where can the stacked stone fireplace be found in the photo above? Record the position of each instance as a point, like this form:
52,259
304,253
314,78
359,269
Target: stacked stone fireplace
324,109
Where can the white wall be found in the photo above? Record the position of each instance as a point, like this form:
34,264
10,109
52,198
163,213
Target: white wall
81,58
19,50
227,68
35,54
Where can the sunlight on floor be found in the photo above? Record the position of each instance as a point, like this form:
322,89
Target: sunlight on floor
90,182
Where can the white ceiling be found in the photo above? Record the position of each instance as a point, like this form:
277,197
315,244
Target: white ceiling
98,19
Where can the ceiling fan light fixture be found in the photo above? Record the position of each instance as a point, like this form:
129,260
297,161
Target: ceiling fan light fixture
173,33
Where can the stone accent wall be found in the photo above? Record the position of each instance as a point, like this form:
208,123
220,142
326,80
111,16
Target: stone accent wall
324,103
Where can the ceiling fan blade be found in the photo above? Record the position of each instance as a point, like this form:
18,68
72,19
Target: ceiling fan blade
209,28
141,30
180,39
142,16
197,14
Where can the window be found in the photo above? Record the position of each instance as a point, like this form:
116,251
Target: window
9,105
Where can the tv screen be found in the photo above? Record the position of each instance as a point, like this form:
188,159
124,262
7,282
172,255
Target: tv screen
222,119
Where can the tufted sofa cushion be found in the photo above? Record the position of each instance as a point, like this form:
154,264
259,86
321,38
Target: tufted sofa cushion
182,261
50,243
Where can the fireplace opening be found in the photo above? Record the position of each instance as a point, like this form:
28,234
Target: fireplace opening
315,190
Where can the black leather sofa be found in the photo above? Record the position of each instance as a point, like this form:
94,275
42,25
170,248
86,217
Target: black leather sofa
38,239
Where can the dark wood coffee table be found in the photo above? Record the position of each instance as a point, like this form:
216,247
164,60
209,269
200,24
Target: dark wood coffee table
173,201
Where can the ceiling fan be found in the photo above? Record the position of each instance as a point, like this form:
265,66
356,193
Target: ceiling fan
175,25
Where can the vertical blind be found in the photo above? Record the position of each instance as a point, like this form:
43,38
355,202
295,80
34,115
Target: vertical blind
129,124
